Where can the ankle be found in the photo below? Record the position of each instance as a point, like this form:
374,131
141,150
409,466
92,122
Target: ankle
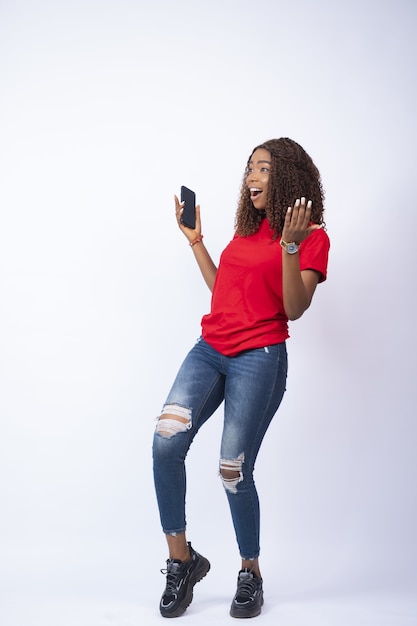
178,547
182,553
252,566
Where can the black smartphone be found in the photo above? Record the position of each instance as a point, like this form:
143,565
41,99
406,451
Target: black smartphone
188,214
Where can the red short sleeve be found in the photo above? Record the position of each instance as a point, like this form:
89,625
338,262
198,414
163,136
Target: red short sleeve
314,253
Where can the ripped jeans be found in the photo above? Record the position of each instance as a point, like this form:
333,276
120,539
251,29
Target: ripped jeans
252,385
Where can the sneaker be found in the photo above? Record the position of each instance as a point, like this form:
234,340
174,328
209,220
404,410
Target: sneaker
249,596
181,578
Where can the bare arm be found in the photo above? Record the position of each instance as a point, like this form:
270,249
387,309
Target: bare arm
298,286
204,260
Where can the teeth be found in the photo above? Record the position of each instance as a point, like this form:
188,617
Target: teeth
252,189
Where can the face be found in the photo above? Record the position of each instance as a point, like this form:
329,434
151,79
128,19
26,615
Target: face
257,179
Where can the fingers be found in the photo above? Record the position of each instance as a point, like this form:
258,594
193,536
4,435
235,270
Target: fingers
179,206
299,215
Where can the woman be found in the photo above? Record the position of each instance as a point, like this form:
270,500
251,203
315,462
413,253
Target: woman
267,275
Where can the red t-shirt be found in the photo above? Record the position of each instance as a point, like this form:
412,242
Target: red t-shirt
247,308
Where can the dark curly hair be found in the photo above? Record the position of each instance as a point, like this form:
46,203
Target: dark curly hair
293,175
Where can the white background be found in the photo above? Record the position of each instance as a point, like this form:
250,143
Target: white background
106,108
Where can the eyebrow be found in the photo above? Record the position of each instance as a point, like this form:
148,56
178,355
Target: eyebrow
269,162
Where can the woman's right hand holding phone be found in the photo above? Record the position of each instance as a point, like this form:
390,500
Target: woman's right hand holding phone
191,233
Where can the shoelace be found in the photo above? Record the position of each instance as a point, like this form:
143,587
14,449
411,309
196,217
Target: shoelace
246,587
171,572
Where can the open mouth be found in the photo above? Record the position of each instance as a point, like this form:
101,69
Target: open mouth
254,192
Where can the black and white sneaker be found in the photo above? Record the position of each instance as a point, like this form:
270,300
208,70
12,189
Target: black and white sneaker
249,596
181,578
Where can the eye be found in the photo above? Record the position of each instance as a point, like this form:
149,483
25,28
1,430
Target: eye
264,169
249,170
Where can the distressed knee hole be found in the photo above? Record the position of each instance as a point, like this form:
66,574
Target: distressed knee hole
231,472
173,419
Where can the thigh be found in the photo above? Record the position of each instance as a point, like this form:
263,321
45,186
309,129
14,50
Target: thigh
255,385
199,384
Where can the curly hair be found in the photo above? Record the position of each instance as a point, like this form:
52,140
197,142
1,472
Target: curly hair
293,175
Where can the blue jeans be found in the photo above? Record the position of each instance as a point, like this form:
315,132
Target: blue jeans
252,385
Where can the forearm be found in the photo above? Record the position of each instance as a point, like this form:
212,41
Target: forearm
205,263
297,287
